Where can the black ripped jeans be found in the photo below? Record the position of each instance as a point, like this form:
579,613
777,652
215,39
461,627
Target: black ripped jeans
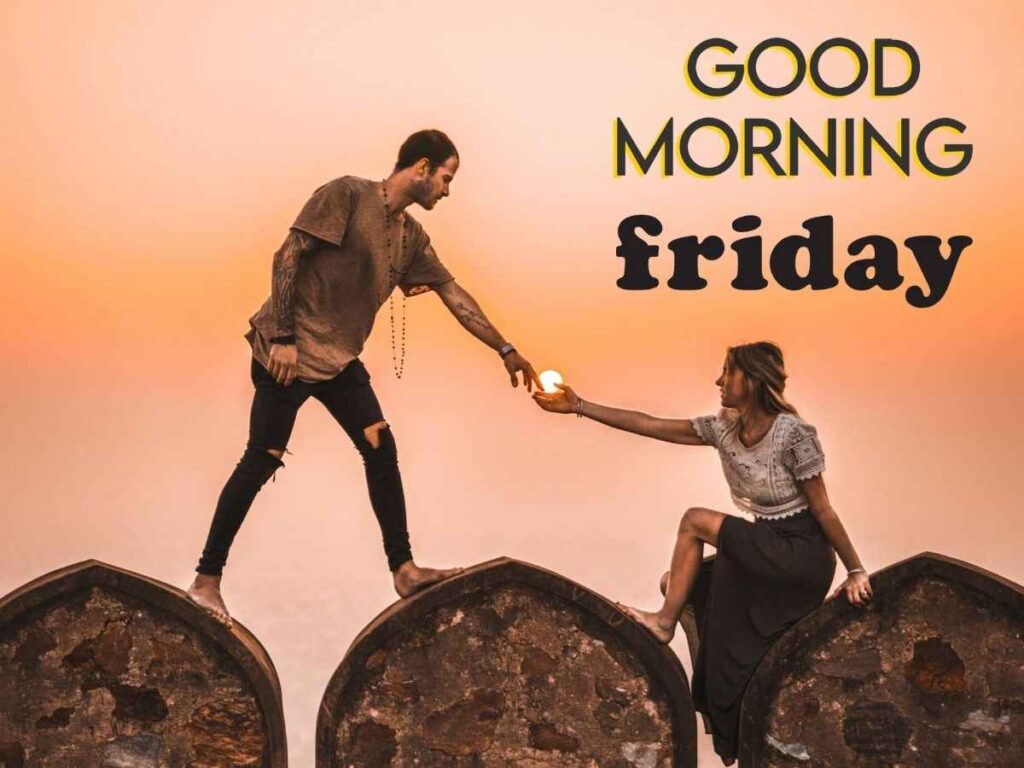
350,400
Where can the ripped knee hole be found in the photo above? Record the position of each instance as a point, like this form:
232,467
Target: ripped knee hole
372,433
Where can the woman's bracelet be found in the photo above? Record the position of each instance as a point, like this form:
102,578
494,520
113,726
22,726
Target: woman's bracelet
579,408
855,570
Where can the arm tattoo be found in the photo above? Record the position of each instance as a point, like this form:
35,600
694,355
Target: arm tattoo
286,268
469,316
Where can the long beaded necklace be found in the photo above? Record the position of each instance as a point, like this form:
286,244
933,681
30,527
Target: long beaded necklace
397,358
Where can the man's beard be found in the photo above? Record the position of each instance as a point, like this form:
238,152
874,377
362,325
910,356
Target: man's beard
422,193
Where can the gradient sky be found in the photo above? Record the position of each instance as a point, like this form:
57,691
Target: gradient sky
155,153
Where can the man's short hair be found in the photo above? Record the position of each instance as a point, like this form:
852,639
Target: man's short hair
431,144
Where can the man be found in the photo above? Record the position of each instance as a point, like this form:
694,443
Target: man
350,246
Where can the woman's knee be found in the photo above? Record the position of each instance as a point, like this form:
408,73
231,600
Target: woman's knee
690,520
700,523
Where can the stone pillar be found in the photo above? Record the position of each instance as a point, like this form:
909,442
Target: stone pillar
931,674
506,665
105,668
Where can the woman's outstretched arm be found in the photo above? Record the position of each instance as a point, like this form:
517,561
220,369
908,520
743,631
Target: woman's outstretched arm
565,400
857,586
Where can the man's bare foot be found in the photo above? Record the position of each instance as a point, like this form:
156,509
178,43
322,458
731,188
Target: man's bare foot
410,578
205,592
662,632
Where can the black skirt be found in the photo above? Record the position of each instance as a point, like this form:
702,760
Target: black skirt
767,575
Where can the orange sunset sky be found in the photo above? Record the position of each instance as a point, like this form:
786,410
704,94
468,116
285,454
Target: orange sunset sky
154,154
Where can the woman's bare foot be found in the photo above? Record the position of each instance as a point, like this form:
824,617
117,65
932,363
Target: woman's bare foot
205,592
663,632
410,578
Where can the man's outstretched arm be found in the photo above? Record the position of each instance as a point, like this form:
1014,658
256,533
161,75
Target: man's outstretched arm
472,317
284,356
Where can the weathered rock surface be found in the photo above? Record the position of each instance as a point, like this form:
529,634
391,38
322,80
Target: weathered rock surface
104,668
506,665
932,674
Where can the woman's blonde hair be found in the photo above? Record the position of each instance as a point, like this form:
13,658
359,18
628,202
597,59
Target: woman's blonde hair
763,365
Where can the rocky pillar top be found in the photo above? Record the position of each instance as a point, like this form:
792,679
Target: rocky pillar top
932,673
506,664
107,668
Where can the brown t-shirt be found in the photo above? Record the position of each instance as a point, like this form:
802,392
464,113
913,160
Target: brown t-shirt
341,285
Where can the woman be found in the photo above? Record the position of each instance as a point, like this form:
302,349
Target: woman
768,573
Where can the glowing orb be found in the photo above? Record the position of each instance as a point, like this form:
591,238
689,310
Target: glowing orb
548,379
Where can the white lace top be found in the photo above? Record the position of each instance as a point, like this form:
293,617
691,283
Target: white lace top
763,478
